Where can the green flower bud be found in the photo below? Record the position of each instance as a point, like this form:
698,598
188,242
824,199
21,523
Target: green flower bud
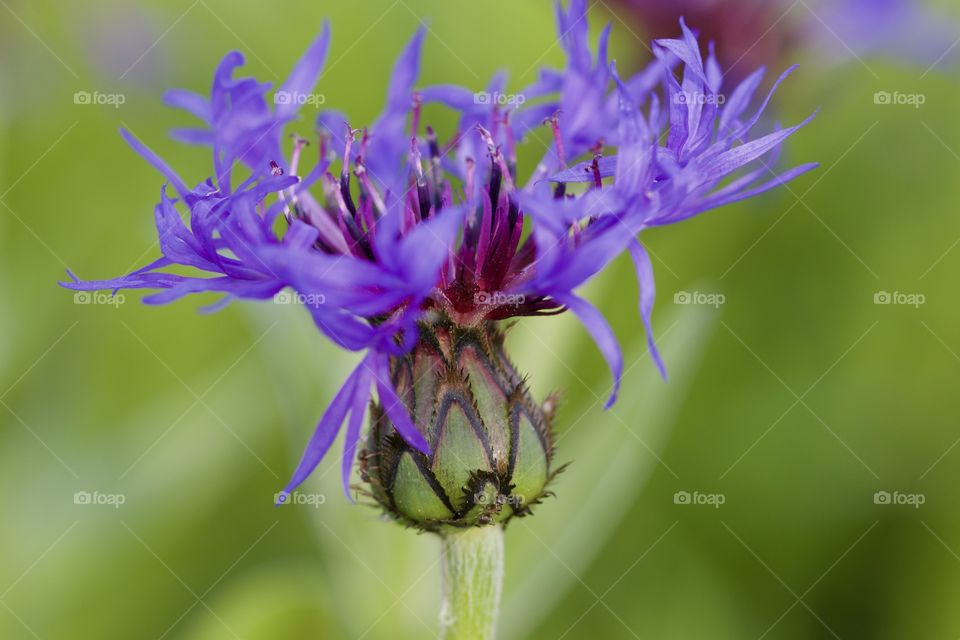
491,444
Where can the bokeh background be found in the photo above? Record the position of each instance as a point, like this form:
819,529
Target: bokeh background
794,400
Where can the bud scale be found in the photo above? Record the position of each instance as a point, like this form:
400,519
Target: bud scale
491,444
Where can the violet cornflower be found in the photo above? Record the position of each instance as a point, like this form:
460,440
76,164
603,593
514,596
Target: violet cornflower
404,244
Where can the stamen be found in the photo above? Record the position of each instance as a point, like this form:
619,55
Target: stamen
471,179
415,117
483,236
415,160
351,133
595,168
364,142
513,213
511,145
276,171
323,148
423,193
368,188
497,157
298,145
348,226
554,122
345,194
331,190
436,175
496,177
495,120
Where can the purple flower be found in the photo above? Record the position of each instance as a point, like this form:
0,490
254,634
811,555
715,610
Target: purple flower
415,230
750,33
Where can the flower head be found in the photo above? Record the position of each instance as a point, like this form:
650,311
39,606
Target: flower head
418,231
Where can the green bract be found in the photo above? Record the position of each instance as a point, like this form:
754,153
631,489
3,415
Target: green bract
491,444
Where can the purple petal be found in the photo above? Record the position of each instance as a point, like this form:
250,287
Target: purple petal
132,281
176,241
729,161
254,289
572,26
713,71
222,82
644,269
740,133
602,334
739,101
202,137
326,431
305,74
358,408
394,407
582,172
421,254
405,73
453,96
633,154
191,102
777,181
388,146
147,154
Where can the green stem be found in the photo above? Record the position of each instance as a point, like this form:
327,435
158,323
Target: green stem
472,566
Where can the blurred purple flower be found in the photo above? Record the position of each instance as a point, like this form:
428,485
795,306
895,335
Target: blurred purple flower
420,231
751,33
120,48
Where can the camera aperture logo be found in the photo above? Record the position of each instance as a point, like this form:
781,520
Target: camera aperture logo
715,500
99,298
896,98
96,498
98,99
899,298
299,99
715,300
295,297
302,499
897,498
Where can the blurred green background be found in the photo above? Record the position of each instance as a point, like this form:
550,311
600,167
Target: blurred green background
793,403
